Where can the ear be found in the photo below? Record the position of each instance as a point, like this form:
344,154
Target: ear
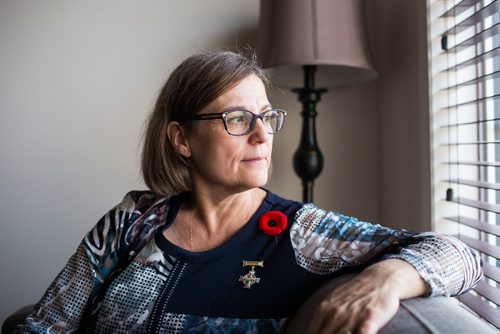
178,138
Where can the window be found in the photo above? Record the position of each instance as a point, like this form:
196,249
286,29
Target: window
465,94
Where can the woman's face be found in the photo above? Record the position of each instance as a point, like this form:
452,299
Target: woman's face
223,162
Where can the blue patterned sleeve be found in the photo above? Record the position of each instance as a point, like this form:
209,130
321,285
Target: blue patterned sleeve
325,242
111,242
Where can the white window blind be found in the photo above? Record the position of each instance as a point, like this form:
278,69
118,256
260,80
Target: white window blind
465,95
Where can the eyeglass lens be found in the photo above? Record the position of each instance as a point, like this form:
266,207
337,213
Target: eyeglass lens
242,122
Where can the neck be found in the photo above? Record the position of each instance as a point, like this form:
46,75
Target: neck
218,214
205,222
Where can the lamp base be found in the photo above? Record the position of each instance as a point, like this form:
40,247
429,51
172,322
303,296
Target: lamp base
308,159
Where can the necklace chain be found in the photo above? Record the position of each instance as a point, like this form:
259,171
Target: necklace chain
191,235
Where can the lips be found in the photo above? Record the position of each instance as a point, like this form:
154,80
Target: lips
255,159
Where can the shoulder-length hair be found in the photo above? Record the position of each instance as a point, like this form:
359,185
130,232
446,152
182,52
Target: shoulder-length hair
194,84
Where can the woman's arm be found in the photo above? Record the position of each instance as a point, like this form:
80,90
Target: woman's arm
112,242
326,242
62,305
446,264
407,264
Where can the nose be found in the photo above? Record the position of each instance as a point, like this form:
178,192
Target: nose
259,132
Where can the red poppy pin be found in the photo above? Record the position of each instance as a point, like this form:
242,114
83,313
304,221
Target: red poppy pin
273,222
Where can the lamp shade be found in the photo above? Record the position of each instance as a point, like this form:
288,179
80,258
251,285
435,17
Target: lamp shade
327,33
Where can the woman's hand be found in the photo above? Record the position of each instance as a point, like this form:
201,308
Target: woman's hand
369,301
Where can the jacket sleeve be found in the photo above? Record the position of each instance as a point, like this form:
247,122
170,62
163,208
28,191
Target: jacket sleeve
113,241
325,242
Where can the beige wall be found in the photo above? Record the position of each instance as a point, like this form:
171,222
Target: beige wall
77,80
398,31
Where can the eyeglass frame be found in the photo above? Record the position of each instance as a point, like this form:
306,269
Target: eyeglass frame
223,117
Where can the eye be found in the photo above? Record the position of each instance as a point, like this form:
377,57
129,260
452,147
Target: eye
236,117
269,116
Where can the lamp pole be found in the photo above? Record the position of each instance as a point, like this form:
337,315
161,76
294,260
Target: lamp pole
308,159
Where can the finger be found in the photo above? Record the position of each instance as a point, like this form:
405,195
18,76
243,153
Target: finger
341,324
318,318
369,327
372,321
344,331
338,318
356,319
328,318
336,327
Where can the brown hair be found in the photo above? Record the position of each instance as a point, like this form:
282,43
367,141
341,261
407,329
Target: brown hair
194,84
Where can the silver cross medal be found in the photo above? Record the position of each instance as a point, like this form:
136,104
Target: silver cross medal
250,279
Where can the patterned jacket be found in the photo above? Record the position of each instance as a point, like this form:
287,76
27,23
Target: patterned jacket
125,276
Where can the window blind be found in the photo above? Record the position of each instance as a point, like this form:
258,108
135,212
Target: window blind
465,93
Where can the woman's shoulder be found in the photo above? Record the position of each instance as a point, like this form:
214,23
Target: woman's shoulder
140,209
310,213
141,201
133,221
303,208
304,213
287,206
278,200
311,217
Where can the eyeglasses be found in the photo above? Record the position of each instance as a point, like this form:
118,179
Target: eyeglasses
241,122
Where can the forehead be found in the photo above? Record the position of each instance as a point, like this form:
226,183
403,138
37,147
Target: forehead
249,93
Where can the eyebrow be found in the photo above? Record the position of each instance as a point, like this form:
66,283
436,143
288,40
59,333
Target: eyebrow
237,108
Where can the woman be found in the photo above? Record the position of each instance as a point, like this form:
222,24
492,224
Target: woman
208,249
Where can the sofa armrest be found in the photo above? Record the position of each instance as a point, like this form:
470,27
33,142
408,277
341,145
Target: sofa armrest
416,315
17,318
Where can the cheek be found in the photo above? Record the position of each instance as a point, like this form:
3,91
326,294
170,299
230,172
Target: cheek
218,151
270,145
205,138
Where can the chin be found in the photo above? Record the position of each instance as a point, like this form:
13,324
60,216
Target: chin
256,179
260,181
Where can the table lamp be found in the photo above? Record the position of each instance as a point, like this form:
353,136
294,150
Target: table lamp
316,43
